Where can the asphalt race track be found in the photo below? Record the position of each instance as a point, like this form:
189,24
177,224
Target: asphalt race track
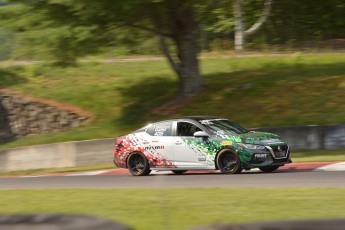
279,179
308,174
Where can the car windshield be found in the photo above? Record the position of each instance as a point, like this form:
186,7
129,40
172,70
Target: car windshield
223,127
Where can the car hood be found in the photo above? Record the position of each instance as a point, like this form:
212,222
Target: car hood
261,138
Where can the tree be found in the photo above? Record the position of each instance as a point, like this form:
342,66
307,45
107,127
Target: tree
75,28
292,24
240,32
230,18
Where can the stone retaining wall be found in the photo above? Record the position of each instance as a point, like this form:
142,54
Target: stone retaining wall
22,116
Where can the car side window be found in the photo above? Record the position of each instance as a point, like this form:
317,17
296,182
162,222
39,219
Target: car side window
186,129
160,129
150,129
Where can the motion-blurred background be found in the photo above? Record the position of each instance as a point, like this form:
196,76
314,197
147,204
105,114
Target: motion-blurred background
81,70
261,63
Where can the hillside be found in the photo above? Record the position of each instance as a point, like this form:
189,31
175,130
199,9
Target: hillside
295,89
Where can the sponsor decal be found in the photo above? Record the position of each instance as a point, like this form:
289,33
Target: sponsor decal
274,141
220,132
159,131
154,147
226,143
261,155
209,121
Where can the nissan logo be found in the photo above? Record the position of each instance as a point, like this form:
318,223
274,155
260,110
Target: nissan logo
279,148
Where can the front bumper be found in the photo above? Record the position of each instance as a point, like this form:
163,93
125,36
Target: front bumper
270,156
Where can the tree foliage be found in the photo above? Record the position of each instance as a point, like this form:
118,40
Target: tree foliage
69,29
54,29
66,29
292,23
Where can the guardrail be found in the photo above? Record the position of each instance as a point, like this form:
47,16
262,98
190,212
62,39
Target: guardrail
58,155
311,137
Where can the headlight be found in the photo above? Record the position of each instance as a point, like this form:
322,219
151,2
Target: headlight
253,147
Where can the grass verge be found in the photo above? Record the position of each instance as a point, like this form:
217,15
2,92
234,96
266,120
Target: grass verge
181,208
319,156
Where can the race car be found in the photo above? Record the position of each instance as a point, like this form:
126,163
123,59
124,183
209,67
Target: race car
199,143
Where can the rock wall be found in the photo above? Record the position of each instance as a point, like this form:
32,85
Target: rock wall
22,116
5,129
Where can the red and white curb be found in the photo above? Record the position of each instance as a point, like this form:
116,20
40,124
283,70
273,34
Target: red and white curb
303,166
340,166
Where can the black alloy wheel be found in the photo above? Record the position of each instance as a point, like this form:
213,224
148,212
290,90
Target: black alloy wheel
138,165
228,162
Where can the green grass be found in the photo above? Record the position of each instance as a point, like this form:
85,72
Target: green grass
319,155
262,91
181,208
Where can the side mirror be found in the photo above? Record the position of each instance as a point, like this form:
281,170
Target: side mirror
201,134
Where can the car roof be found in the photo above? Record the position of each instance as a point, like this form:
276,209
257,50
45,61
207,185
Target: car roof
184,118
194,118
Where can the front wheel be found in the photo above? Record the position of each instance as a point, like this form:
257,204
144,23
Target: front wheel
228,162
138,165
268,169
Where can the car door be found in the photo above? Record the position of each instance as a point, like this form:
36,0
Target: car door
158,143
186,148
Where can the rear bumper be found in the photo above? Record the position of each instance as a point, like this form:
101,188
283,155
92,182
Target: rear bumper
119,163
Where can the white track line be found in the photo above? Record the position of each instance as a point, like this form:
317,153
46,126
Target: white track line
33,176
340,166
88,173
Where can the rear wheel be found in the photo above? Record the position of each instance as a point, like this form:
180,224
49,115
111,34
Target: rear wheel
138,164
268,168
228,162
179,172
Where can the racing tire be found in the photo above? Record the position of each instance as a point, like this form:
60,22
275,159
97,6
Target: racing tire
138,165
228,162
179,172
268,169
